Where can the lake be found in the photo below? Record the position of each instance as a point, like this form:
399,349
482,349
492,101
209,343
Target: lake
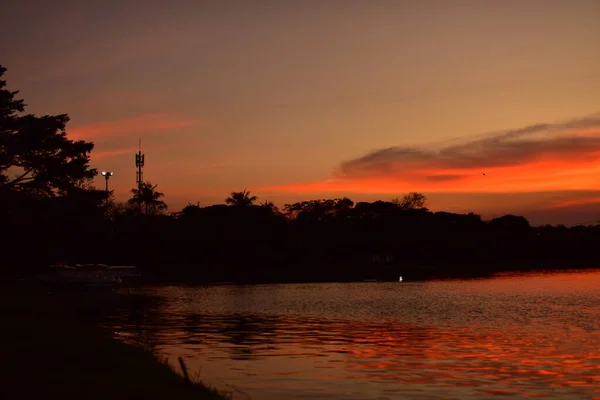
522,335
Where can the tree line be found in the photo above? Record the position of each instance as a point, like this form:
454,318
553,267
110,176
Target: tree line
50,212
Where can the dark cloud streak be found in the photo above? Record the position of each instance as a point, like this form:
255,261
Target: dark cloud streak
513,147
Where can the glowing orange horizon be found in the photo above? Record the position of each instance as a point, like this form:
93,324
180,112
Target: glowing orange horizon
548,175
571,203
561,156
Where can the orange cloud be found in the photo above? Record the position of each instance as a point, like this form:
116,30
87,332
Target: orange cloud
544,157
572,203
133,125
100,155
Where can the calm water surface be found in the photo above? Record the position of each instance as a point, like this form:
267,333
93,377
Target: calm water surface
519,336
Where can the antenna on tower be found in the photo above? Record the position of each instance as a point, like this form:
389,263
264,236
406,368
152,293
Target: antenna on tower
139,163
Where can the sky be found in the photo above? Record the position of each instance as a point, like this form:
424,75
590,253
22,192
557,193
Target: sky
490,107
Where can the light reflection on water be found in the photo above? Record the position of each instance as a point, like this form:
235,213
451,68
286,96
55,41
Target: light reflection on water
523,335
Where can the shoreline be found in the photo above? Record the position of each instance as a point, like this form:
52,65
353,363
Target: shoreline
51,352
409,275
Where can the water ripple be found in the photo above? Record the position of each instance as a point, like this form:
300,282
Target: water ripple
519,336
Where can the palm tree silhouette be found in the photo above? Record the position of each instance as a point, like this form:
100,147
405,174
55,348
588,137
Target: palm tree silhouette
242,198
149,198
270,206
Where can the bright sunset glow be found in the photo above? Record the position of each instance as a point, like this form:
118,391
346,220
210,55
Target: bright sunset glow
549,157
293,100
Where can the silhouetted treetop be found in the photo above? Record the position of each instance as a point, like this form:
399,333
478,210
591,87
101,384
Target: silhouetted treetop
242,198
318,210
9,106
148,199
510,221
189,211
376,209
270,206
42,161
411,201
448,218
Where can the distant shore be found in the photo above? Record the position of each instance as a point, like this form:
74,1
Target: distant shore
183,274
49,353
416,273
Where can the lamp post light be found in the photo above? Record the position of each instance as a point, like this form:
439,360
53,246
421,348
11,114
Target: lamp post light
107,175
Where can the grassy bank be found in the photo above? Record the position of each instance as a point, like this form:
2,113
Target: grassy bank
47,353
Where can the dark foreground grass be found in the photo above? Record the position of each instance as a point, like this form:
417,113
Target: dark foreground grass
46,353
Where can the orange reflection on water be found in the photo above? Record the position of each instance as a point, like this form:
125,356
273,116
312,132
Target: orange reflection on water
511,335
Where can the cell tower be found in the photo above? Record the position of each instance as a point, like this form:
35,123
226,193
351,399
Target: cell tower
139,163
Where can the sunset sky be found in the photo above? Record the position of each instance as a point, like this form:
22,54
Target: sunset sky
297,100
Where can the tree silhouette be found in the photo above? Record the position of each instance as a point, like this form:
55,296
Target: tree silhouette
411,201
189,211
242,198
318,209
44,161
343,206
117,210
510,221
375,210
273,209
149,198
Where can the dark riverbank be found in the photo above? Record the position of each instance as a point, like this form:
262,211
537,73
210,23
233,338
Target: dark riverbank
49,352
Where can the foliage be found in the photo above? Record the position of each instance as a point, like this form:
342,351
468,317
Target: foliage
37,152
148,199
116,210
271,207
511,221
242,198
189,211
411,201
318,210
325,239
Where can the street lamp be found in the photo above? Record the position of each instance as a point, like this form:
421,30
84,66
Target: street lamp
107,175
